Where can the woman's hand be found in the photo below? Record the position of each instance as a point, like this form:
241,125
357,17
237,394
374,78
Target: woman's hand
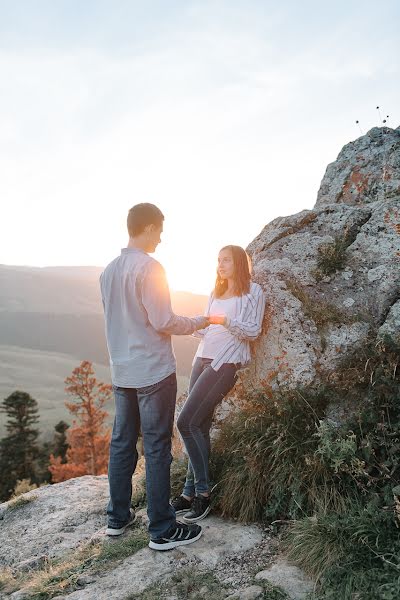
217,320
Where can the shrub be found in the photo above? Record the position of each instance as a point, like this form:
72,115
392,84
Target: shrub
332,256
352,554
264,457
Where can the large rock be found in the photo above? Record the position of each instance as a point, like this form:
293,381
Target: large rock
365,171
219,540
58,519
289,577
313,319
61,517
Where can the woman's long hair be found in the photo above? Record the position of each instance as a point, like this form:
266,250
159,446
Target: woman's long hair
241,273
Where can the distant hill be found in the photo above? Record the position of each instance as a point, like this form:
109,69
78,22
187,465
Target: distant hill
68,290
58,309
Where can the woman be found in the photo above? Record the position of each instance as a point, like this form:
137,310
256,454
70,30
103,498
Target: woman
235,311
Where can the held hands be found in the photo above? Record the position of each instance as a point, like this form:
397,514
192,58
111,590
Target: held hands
205,323
212,320
217,320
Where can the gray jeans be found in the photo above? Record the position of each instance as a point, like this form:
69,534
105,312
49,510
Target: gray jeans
206,390
150,409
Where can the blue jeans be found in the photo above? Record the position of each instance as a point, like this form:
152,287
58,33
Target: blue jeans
150,409
206,390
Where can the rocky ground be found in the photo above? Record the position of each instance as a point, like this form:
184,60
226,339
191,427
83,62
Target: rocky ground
53,545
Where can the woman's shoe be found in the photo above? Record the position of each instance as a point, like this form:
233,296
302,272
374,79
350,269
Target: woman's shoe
201,506
181,505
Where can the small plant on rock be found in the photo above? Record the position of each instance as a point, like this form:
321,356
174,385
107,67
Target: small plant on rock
332,256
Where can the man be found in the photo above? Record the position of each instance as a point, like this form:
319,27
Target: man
139,323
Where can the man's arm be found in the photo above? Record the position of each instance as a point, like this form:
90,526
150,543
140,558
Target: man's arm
200,333
157,302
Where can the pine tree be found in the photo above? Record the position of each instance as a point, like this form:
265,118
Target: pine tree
60,443
88,438
19,449
58,446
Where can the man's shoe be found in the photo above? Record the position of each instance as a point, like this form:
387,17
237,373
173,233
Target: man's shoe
179,535
181,505
120,530
201,506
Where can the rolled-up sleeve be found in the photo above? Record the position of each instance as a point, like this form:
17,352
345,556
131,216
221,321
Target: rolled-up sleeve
250,327
156,300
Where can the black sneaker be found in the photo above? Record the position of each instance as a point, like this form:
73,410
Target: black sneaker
120,530
179,535
181,505
201,506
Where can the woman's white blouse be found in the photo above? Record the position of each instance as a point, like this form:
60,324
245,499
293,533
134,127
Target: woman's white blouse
231,343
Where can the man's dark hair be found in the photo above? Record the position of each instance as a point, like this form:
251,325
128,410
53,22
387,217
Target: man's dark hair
141,215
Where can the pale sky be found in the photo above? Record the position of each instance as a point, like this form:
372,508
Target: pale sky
223,113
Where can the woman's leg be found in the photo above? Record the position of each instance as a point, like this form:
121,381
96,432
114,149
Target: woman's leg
198,367
207,392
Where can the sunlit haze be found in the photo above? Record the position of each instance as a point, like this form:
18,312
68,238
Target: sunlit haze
224,114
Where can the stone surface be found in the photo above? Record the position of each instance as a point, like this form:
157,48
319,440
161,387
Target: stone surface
31,564
252,592
36,531
365,171
57,521
290,578
294,348
391,326
220,539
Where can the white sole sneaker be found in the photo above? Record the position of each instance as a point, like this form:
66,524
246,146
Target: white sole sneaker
182,512
195,519
170,545
120,531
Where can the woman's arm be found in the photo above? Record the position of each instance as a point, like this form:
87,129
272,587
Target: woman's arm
250,327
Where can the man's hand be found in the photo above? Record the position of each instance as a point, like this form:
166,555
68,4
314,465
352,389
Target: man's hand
217,320
204,324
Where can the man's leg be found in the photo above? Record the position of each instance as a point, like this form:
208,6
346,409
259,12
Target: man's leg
157,407
123,455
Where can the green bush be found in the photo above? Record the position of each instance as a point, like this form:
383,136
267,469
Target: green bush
352,554
265,457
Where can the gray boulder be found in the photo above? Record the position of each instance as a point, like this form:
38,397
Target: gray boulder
317,315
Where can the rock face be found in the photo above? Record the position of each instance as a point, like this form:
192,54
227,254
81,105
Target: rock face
315,315
60,517
56,521
290,578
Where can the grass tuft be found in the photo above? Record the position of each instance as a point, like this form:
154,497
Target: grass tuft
17,502
332,257
61,575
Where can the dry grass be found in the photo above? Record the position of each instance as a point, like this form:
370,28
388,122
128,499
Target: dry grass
321,312
22,487
62,575
7,580
17,502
